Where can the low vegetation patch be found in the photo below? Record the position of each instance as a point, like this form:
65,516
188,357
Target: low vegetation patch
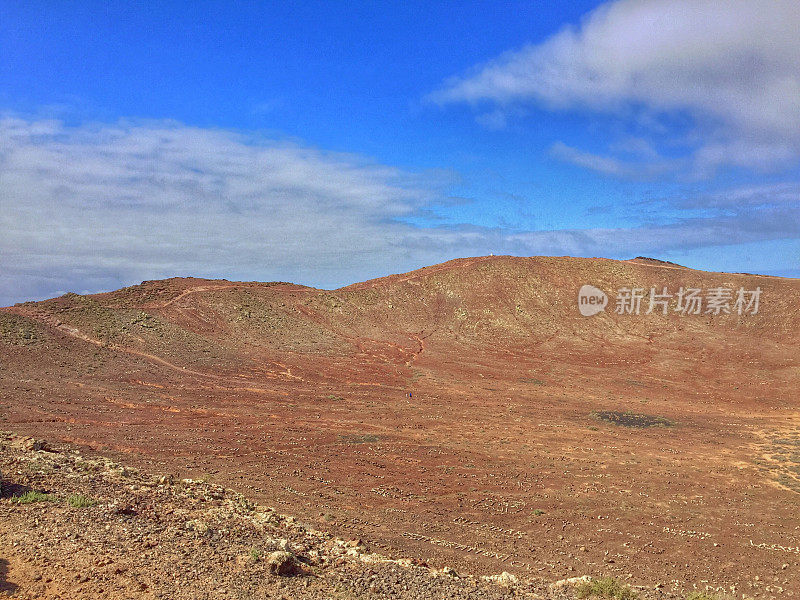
780,458
708,596
80,501
605,587
30,497
702,596
632,419
255,554
18,331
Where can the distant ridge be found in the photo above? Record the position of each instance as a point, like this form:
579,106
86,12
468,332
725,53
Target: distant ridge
646,260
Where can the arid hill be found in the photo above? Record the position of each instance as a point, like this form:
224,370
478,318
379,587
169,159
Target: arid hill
466,413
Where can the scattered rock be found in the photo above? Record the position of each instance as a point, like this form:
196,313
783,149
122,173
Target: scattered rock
125,510
570,582
198,526
33,445
283,564
357,545
229,542
505,579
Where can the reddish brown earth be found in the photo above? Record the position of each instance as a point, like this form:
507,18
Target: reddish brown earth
448,413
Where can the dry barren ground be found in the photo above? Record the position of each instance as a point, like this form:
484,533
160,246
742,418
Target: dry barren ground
464,414
85,527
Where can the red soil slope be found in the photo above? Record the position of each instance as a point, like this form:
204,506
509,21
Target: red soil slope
451,413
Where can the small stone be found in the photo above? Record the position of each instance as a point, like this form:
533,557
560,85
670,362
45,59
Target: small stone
37,445
125,510
357,546
570,582
198,526
505,579
283,564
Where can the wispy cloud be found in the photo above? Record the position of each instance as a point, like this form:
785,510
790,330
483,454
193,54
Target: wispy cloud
609,165
772,195
99,206
732,67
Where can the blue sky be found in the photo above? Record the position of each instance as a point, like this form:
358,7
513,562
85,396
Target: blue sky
325,143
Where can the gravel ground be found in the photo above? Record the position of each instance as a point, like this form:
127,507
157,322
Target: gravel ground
94,529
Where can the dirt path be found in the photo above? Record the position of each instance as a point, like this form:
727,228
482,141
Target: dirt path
75,333
195,290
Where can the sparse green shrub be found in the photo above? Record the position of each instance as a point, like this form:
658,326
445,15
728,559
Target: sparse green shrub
538,512
30,497
703,596
80,501
631,419
255,554
18,331
606,587
37,467
87,465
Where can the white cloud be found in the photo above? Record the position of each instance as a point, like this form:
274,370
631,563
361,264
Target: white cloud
594,162
733,67
608,165
784,194
100,206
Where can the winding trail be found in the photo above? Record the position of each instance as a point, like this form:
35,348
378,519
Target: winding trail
194,290
75,333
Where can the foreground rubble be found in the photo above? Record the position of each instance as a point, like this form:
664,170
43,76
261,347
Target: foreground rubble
73,526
